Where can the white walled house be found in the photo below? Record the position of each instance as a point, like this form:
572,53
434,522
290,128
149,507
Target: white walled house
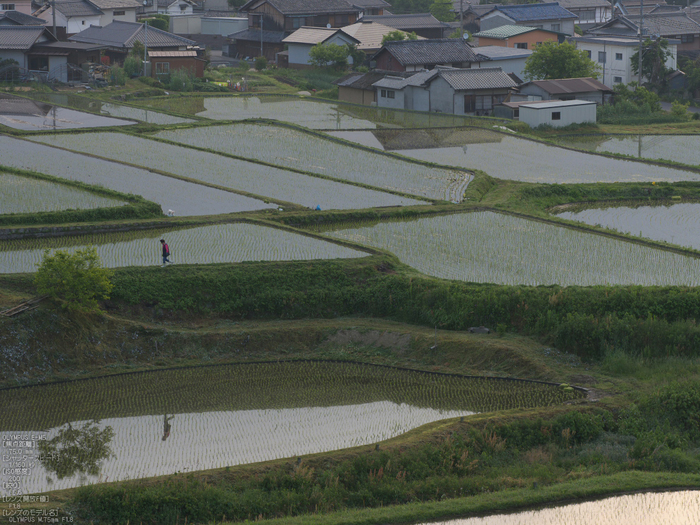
23,6
589,12
558,113
614,56
300,42
78,15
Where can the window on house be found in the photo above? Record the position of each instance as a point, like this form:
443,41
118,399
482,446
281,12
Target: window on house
119,13
617,80
297,22
383,93
516,113
686,39
342,20
556,115
390,93
522,45
7,7
556,27
601,56
83,22
162,68
474,103
618,56
537,43
588,14
588,53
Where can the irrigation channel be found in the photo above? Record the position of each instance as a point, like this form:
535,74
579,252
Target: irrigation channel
650,508
201,418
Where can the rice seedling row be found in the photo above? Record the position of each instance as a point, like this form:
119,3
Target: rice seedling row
221,243
185,198
649,508
524,160
678,224
675,148
223,171
29,195
199,441
303,151
496,248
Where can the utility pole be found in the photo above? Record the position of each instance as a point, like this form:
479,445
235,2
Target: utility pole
641,30
145,47
461,19
53,15
261,35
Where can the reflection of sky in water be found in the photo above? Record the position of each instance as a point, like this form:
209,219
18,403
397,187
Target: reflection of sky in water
677,224
667,508
216,439
20,113
678,148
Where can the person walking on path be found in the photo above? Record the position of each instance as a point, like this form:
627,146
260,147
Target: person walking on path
166,252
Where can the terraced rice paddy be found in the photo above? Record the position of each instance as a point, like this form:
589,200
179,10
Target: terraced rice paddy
33,115
239,175
664,508
303,151
514,158
495,248
221,243
185,198
677,148
233,414
29,195
677,224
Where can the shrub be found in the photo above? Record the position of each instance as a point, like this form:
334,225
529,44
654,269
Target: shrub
260,63
133,66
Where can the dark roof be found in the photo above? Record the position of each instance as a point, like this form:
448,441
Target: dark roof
435,51
407,22
271,37
67,46
364,4
474,79
569,85
302,7
71,8
585,4
675,23
124,34
21,19
116,4
21,37
529,12
365,80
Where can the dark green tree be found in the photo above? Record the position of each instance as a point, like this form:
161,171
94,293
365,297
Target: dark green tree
443,10
395,36
654,56
322,55
554,60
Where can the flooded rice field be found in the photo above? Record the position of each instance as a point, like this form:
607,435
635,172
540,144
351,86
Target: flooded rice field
677,148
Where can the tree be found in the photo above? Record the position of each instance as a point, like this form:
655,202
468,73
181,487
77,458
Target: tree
637,95
322,55
76,280
76,450
554,60
397,36
358,57
443,10
133,66
654,56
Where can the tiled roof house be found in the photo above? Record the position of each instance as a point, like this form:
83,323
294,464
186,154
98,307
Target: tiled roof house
549,16
414,55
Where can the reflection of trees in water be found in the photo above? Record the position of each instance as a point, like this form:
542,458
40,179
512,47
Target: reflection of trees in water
76,450
400,139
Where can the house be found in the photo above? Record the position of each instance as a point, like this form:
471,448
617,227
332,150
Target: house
422,24
289,15
675,25
549,16
254,43
17,43
519,37
68,68
21,6
369,35
414,55
300,42
77,15
565,89
634,7
614,56
168,7
357,88
370,7
118,39
446,90
165,62
17,18
588,12
471,15
558,113
510,60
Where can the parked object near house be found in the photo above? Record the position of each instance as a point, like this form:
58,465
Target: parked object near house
586,89
590,12
446,90
510,60
519,37
550,16
422,24
558,113
614,56
414,55
300,42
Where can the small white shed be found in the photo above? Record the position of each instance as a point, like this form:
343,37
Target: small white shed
558,113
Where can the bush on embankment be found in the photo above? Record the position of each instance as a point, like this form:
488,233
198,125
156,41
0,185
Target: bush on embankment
643,321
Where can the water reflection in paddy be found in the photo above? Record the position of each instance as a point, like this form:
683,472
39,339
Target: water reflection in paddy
664,508
678,148
677,224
